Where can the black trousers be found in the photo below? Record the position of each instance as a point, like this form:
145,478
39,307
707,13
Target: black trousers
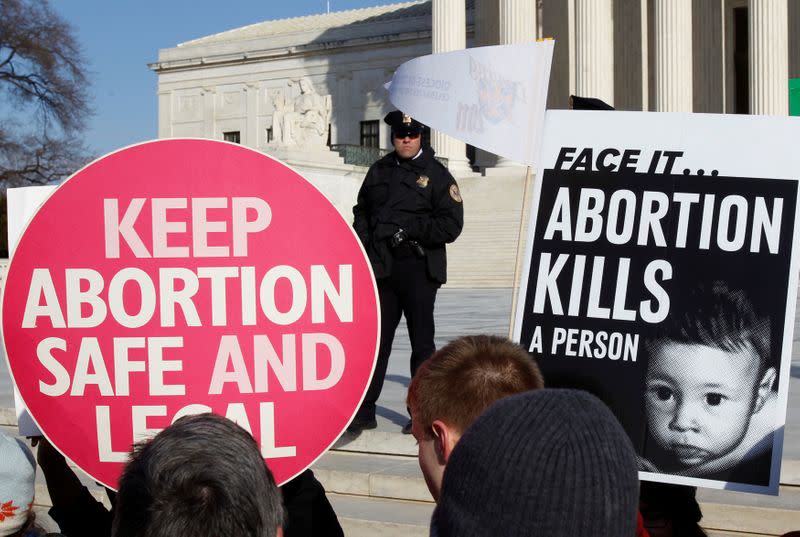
410,292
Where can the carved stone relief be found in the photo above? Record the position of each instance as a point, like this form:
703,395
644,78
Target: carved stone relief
303,120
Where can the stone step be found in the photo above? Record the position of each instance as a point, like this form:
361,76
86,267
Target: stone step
381,442
379,476
362,516
365,516
727,511
42,496
726,519
362,467
790,472
715,533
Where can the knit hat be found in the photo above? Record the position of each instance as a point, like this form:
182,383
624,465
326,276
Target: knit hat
17,474
541,463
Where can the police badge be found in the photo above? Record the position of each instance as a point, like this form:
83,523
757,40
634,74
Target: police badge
422,181
454,193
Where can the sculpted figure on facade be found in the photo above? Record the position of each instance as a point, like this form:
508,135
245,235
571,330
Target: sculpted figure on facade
302,122
279,110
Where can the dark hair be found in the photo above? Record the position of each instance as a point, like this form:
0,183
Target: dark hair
717,316
463,378
201,476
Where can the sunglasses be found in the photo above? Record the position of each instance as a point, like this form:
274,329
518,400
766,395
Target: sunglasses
413,136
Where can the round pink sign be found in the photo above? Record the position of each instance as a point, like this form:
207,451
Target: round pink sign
185,276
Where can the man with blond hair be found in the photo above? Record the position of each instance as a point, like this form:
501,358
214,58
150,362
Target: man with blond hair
454,386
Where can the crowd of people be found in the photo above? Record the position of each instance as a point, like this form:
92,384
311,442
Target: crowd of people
501,455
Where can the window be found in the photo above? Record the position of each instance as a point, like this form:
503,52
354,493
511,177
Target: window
232,136
370,133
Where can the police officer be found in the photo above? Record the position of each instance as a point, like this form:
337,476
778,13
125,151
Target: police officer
408,208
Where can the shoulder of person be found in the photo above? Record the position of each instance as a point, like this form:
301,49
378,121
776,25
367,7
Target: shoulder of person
389,159
376,168
434,163
437,169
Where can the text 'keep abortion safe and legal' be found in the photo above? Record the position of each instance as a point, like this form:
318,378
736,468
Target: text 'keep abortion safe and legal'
131,297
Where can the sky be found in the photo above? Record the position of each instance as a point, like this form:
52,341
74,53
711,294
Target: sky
120,37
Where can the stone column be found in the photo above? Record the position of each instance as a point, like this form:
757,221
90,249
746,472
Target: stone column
594,49
769,57
517,24
672,25
517,21
450,33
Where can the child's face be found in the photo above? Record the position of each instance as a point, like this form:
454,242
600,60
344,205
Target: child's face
700,399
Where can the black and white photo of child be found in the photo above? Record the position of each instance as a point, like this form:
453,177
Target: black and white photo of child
710,386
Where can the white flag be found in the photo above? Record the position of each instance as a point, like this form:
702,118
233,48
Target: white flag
491,97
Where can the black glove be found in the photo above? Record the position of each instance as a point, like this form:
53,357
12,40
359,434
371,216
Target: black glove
398,238
384,231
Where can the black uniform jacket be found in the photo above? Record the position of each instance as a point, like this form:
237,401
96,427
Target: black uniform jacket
420,197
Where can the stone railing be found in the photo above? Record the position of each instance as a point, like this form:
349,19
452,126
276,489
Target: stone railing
359,155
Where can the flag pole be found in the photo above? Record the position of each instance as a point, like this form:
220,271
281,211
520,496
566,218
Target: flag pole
520,249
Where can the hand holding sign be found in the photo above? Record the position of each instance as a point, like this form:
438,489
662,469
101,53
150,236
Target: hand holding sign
178,277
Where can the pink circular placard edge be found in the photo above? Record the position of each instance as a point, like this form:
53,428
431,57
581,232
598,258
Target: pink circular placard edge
183,275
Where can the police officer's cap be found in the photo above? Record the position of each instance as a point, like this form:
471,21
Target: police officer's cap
403,124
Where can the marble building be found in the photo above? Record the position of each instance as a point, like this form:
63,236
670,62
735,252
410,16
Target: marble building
292,87
733,56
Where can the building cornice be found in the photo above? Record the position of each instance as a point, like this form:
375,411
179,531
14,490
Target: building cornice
253,55
393,25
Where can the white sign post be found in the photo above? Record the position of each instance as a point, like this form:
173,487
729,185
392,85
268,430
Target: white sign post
22,204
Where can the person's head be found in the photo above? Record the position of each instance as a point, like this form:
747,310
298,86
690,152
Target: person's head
305,85
543,462
201,476
708,372
455,386
17,476
406,134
